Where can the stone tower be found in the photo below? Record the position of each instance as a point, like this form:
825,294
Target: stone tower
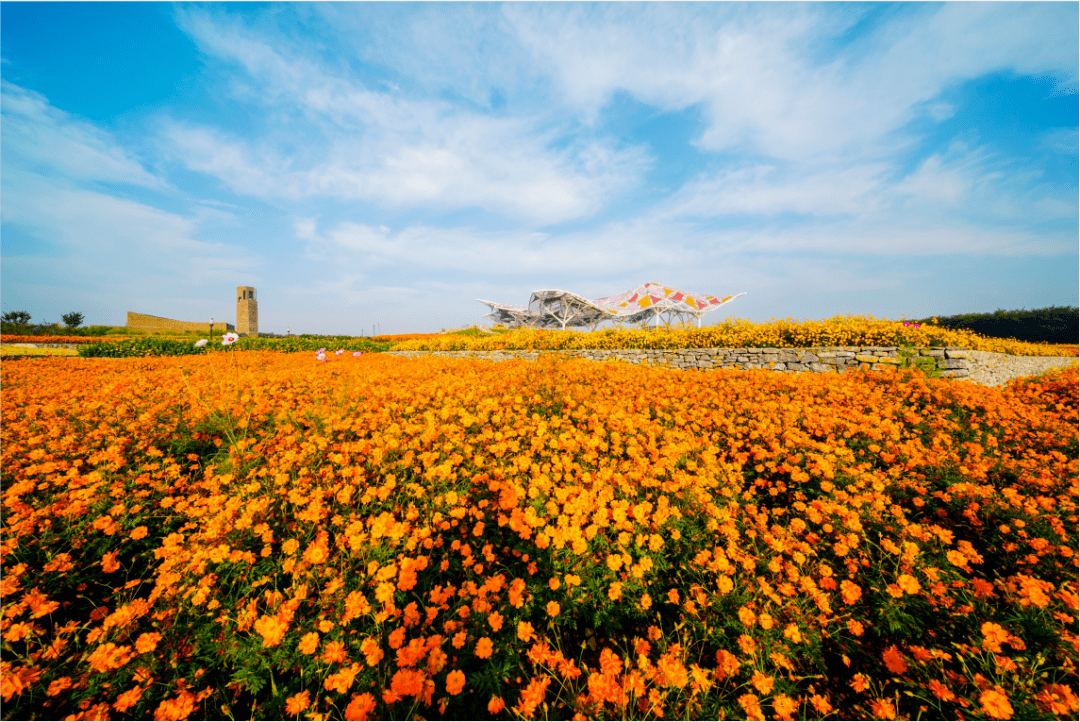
247,312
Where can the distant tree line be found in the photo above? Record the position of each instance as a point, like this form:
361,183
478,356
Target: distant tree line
1054,324
18,323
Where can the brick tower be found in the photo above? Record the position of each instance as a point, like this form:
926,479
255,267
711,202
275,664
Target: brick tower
247,312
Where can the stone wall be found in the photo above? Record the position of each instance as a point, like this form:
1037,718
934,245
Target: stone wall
952,362
156,323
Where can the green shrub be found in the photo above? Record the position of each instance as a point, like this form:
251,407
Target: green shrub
161,346
140,348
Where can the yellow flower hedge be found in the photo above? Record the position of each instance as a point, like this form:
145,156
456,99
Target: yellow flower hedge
739,333
270,536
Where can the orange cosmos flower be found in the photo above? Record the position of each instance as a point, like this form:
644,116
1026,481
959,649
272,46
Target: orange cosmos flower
894,660
941,691
483,648
334,653
784,706
108,657
59,685
1058,699
496,705
495,620
361,707
762,682
176,708
455,682
994,635
17,631
532,696
615,591
995,703
553,609
610,664
371,651
883,709
850,592
908,583
128,699
109,563
341,681
821,704
309,643
297,703
272,630
751,706
147,642
524,631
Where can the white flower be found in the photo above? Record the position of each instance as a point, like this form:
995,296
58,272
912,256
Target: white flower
200,343
229,339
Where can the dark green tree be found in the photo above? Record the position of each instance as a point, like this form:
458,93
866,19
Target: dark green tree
73,319
20,318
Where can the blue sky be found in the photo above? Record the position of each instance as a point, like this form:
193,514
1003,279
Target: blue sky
392,162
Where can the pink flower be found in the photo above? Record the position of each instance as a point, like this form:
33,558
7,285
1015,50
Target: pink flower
356,353
229,339
321,356
339,352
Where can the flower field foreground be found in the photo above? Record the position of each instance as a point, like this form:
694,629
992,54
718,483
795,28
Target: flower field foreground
740,333
390,538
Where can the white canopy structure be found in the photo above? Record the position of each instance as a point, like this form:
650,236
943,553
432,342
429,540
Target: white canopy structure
559,309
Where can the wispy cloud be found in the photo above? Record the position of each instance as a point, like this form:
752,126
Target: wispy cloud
51,143
65,184
380,147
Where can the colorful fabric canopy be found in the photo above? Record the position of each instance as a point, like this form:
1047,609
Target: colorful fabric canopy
559,309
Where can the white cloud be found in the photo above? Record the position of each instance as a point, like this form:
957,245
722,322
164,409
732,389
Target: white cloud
764,190
50,142
398,152
933,183
765,83
52,165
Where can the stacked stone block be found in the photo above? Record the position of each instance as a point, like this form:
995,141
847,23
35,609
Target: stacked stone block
952,362
247,311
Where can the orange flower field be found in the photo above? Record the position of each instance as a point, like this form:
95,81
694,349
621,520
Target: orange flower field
267,536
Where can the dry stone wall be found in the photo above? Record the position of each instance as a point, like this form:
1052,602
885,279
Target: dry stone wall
157,323
952,362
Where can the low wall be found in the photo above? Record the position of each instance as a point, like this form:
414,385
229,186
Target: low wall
145,322
952,362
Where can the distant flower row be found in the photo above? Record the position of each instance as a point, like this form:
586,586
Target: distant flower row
739,333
